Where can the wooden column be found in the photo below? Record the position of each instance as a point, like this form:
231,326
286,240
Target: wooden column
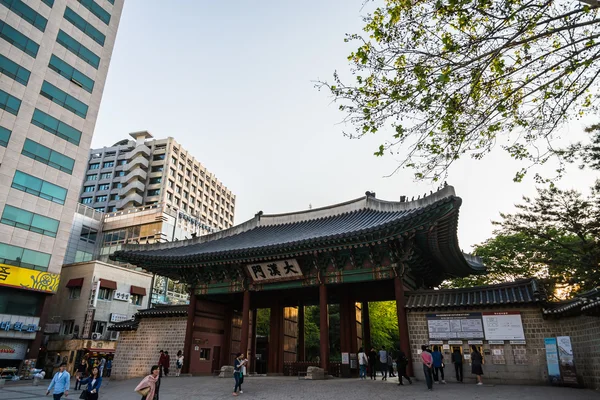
245,324
301,341
226,350
324,327
402,322
252,357
189,333
274,339
366,323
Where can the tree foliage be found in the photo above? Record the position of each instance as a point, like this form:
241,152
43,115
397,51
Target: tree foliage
451,78
384,325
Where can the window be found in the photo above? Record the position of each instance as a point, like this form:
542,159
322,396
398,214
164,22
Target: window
101,199
49,3
9,103
158,168
14,71
87,200
38,187
154,181
108,164
171,172
112,2
17,39
171,184
117,185
179,178
48,156
158,157
154,192
99,327
178,189
78,49
104,186
4,136
74,293
98,11
188,173
56,127
136,299
205,354
93,177
82,256
88,234
27,13
94,166
26,258
181,166
111,209
106,175
68,327
185,194
99,209
29,221
72,74
87,189
121,162
105,294
63,99
114,197
120,173
84,26
173,161
169,197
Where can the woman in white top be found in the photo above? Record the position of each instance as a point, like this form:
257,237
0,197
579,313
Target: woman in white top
363,361
179,363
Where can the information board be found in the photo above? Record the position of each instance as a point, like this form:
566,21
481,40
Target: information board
504,325
455,326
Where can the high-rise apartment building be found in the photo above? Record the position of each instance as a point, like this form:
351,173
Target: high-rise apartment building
54,59
146,171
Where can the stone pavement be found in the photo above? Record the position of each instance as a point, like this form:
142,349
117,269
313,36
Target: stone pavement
278,388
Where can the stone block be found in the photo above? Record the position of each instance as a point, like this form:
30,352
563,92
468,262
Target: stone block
315,373
226,371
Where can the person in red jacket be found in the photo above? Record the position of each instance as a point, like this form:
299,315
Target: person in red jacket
162,362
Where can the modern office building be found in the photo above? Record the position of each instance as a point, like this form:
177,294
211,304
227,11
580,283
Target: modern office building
54,59
146,171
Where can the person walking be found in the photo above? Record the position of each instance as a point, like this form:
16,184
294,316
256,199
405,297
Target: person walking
60,383
362,364
108,367
477,364
161,362
102,365
237,373
150,385
81,371
438,365
457,360
427,366
402,363
93,382
383,363
372,364
390,364
167,364
179,363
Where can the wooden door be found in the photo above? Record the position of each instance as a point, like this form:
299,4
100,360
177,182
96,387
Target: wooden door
216,358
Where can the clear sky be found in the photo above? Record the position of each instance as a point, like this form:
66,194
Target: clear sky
232,81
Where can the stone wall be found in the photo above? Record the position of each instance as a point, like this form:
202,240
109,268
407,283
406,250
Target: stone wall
520,364
137,351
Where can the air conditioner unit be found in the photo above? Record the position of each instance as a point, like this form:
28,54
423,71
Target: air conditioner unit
96,336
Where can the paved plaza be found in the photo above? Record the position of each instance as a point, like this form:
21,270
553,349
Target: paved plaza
278,388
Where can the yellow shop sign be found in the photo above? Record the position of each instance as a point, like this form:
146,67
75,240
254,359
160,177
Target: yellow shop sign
30,279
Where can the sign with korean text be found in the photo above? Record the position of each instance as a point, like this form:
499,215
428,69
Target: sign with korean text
121,296
552,360
114,317
18,326
25,278
566,360
274,270
504,325
455,326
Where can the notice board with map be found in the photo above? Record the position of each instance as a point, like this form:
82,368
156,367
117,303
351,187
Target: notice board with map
455,326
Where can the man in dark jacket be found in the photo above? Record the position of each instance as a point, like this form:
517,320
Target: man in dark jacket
161,362
167,364
457,360
373,357
401,363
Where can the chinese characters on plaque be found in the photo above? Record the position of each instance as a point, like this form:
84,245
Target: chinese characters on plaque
274,270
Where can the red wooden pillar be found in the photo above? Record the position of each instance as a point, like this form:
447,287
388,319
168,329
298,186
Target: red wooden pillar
366,323
274,339
324,327
189,333
301,341
402,322
226,357
245,324
252,357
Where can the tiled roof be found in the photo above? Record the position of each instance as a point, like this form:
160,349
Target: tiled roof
512,293
163,311
130,325
583,303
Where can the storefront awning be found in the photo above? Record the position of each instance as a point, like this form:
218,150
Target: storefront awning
76,282
138,290
106,284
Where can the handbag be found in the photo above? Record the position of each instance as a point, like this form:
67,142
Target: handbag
84,395
143,392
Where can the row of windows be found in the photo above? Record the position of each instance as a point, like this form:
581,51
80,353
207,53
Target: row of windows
9,103
153,192
27,220
100,199
59,97
84,26
49,3
98,11
108,164
26,12
78,49
64,69
27,258
48,156
106,175
154,181
14,71
4,136
202,184
88,234
17,39
56,127
38,187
